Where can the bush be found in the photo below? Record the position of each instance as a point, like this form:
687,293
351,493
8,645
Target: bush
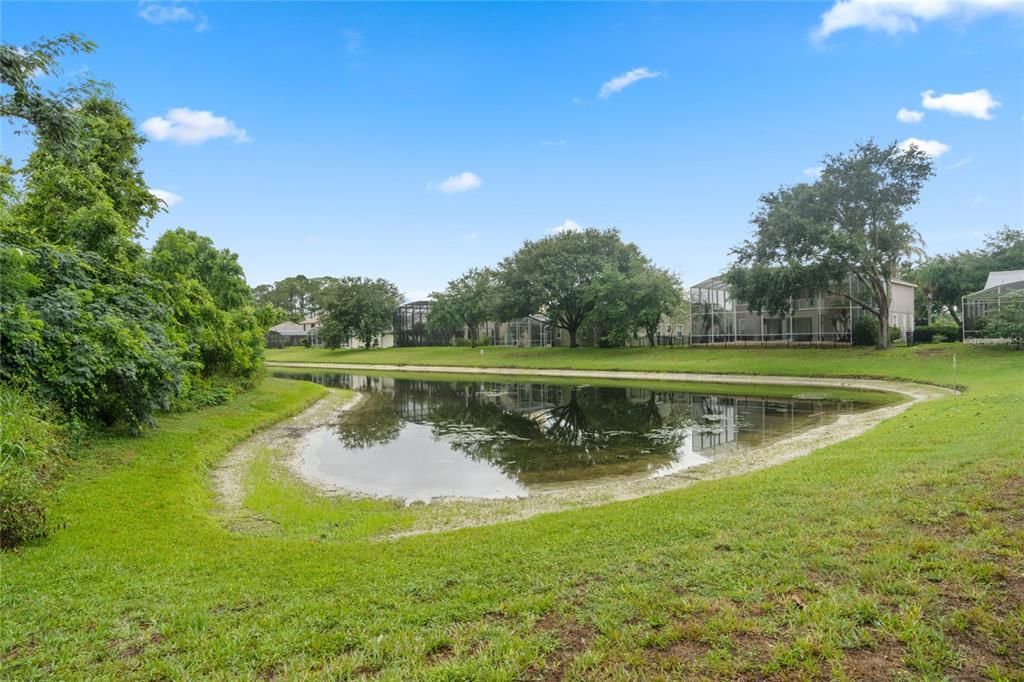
32,453
483,341
895,334
932,333
865,332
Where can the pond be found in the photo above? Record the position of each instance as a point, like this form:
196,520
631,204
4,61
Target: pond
418,439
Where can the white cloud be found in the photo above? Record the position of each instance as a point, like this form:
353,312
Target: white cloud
353,39
166,196
610,87
463,182
172,13
909,116
976,104
961,163
814,172
932,148
898,16
188,126
471,237
568,225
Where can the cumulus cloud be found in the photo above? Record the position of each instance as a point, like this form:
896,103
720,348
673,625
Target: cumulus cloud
932,148
976,104
610,87
568,225
898,16
166,196
188,126
463,182
172,13
909,116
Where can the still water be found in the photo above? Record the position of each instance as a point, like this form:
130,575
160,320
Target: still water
415,439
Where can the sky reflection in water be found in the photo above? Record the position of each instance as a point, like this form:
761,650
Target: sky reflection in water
415,440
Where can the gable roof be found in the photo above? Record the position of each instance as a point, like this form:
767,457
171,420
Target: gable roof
1001,277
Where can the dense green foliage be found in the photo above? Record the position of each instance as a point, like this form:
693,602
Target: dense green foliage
931,332
356,308
587,278
849,223
89,320
944,280
296,296
466,303
32,454
893,555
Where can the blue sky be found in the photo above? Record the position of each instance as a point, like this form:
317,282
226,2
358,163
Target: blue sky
333,130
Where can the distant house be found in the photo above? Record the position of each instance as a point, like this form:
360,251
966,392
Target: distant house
287,334
999,285
813,317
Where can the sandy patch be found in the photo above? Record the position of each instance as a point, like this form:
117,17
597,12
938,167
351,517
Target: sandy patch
446,513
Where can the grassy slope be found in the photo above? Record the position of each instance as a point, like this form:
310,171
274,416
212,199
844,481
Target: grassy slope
934,367
899,551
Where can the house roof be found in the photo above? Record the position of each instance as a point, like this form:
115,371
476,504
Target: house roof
288,329
311,320
1001,277
904,282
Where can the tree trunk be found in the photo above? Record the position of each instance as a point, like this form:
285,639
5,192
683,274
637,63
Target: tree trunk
883,323
572,337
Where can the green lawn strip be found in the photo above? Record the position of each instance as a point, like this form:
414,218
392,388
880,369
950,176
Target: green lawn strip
899,551
931,363
746,390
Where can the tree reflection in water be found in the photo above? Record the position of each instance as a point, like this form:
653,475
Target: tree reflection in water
522,428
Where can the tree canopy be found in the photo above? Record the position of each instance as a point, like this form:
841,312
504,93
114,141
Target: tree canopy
945,279
88,318
848,224
356,307
468,301
563,275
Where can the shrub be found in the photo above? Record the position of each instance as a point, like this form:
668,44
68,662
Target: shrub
32,453
932,333
895,334
865,332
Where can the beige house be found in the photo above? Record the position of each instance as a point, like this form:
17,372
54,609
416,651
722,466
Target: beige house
813,317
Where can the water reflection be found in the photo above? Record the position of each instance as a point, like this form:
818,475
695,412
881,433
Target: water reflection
416,439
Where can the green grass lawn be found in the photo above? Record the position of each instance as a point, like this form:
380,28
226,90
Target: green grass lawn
899,553
932,363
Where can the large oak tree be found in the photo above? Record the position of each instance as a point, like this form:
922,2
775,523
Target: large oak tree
849,223
557,275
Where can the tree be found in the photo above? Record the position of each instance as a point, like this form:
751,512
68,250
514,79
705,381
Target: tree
356,307
468,302
51,116
944,280
635,300
558,275
87,327
212,303
813,237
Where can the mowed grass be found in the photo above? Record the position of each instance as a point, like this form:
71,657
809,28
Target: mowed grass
931,363
899,553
